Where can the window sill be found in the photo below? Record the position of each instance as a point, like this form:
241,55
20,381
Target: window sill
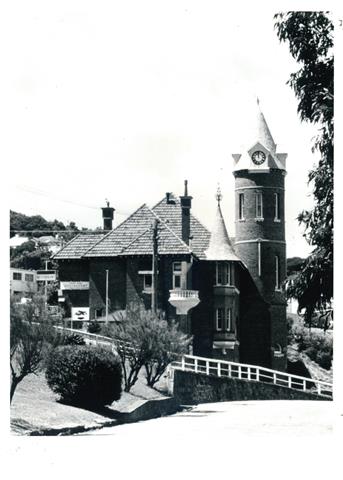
147,290
277,220
278,290
259,219
241,220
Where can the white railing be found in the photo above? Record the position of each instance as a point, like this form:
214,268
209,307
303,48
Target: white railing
96,339
180,293
222,368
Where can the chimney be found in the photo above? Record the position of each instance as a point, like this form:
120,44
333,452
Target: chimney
186,204
107,215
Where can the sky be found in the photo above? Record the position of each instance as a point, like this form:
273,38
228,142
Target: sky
125,100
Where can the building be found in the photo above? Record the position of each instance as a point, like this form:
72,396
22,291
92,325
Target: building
227,294
23,283
17,240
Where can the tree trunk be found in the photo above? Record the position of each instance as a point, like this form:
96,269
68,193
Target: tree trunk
14,384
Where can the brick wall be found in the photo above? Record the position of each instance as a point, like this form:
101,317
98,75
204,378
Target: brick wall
116,284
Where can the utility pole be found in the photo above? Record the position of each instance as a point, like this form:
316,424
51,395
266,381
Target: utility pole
46,286
106,297
154,266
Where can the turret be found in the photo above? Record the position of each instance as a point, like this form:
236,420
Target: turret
260,224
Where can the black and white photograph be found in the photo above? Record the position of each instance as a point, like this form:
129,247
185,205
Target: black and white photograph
169,205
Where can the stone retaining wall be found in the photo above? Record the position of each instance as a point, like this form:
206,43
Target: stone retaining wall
193,388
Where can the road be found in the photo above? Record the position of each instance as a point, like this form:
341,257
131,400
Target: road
234,418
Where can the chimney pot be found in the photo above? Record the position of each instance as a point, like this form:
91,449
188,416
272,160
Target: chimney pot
107,215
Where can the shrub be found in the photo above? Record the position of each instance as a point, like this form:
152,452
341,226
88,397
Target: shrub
94,327
73,339
84,375
318,346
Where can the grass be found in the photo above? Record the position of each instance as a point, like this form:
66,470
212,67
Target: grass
35,407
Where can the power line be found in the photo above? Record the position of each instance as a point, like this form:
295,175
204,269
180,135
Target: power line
36,191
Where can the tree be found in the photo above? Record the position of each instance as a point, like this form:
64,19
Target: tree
164,343
30,336
310,39
143,338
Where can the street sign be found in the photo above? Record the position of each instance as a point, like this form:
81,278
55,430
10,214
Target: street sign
46,275
74,285
80,313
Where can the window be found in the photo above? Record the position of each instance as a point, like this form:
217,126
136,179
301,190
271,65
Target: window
219,318
228,319
277,273
98,313
277,206
28,277
223,319
223,273
147,282
259,206
16,276
241,206
177,273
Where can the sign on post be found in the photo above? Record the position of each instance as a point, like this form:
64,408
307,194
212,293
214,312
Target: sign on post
46,275
80,313
74,285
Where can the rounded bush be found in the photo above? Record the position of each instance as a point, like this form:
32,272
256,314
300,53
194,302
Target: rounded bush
94,327
85,376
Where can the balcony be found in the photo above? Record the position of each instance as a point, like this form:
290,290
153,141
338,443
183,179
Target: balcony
183,300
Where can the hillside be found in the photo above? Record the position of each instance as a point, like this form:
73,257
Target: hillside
36,226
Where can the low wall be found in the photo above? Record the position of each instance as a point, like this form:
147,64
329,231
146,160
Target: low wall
148,409
193,388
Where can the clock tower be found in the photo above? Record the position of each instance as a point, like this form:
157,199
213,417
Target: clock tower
260,228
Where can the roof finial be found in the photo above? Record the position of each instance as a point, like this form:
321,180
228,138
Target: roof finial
258,101
186,188
219,195
107,202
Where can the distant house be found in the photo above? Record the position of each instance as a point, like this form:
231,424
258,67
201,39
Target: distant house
226,293
17,240
49,243
23,283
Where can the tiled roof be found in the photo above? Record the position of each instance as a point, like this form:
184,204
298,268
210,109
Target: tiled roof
78,246
171,214
220,247
168,243
134,235
118,239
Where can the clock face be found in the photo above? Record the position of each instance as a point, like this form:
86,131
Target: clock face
258,157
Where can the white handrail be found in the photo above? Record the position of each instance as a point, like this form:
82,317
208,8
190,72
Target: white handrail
248,371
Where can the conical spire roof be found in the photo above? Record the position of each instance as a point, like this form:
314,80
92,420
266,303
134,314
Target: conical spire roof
220,247
263,135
